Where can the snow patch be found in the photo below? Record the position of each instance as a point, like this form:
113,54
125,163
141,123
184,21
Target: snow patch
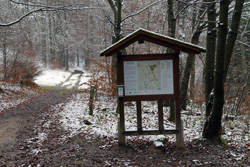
52,77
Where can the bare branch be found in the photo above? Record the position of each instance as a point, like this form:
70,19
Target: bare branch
45,8
112,5
143,9
21,18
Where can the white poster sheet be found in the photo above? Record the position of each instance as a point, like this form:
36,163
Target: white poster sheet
151,77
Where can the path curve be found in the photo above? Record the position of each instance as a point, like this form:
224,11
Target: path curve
11,121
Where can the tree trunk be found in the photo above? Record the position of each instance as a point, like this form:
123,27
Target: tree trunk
210,56
77,57
116,7
212,127
5,54
51,40
192,80
185,80
66,59
43,43
171,33
187,71
232,35
190,63
171,19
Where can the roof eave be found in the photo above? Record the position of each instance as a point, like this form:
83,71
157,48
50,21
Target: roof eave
154,38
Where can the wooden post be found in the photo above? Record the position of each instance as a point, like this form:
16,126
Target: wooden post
179,124
120,81
139,117
121,123
91,98
160,115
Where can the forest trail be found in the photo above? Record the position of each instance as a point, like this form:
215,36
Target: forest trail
32,135
15,120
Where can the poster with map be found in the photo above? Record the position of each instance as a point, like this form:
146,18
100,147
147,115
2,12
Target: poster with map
148,77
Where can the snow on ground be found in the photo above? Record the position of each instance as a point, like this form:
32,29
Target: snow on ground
54,77
74,116
103,123
13,95
51,77
71,82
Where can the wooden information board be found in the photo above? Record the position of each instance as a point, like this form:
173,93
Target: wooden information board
149,77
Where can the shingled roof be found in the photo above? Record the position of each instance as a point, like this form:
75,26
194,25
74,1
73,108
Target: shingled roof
163,40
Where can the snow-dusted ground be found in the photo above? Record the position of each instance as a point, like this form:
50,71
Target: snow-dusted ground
74,116
52,77
104,121
56,77
14,95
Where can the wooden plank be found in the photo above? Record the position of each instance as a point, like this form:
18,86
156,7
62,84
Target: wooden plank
150,132
177,92
121,123
171,45
140,57
149,97
121,129
141,35
160,115
120,70
139,117
179,123
117,48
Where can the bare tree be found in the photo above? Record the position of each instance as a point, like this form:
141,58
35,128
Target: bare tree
212,127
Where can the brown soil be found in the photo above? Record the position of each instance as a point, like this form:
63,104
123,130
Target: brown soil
20,144
8,130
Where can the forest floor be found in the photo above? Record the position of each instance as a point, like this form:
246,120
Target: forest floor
32,133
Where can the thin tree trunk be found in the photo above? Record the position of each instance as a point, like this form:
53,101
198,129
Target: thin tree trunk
116,6
232,35
171,19
191,59
192,80
187,71
51,40
210,56
5,55
185,80
171,32
66,59
43,43
77,57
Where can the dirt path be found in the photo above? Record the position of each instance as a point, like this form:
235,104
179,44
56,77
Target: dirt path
22,144
8,129
13,121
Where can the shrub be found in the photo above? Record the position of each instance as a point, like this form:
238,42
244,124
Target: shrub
22,72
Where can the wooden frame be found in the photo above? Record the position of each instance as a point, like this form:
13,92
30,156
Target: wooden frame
139,98
142,35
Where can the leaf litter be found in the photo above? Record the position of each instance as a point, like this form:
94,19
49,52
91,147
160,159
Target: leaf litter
66,135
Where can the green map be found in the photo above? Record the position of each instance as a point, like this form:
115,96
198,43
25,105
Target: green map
149,76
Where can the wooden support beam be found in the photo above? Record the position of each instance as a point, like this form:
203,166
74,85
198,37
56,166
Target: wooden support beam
179,123
149,98
139,116
150,132
160,115
121,123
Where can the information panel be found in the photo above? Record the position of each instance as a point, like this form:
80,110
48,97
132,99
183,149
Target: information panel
153,77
